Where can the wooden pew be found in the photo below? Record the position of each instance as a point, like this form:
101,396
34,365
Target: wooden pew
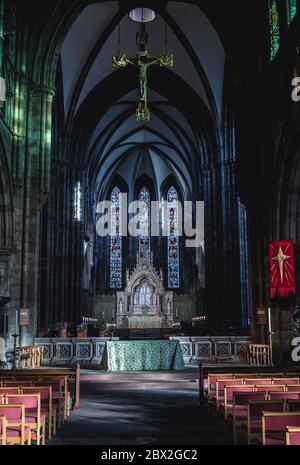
205,368
73,373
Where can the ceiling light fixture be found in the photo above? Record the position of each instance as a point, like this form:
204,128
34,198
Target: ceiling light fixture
142,15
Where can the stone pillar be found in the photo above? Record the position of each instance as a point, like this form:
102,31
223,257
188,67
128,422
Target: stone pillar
1,46
36,190
221,244
282,334
7,319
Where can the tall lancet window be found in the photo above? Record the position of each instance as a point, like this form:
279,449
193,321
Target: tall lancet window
173,239
291,7
116,240
274,28
145,225
77,202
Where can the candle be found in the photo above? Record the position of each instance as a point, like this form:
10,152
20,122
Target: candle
269,320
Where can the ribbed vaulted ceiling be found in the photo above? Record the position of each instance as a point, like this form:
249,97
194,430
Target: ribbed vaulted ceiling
117,143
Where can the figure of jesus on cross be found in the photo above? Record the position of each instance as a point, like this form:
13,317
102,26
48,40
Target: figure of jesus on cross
143,61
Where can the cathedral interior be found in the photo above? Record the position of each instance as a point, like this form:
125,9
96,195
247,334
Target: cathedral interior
175,102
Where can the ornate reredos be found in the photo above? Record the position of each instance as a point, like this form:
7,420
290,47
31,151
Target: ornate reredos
144,270
138,308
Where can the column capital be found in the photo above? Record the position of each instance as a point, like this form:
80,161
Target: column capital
40,90
214,165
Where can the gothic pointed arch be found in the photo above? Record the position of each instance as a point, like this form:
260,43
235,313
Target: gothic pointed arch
144,239
169,181
173,219
144,180
115,180
116,243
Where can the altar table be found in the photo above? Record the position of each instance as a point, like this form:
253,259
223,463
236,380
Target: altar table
143,355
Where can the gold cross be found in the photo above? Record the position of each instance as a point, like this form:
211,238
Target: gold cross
281,258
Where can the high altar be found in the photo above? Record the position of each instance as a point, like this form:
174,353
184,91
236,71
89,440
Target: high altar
145,303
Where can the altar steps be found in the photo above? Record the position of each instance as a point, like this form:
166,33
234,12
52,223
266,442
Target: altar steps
143,380
117,386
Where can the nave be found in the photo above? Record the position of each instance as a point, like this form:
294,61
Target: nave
140,409
205,405
149,220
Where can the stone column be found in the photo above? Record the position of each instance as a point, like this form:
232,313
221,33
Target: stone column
36,190
1,45
221,243
6,316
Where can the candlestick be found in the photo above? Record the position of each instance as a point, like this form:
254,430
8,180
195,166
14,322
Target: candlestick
269,320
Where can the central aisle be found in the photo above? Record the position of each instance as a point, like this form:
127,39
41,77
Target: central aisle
139,408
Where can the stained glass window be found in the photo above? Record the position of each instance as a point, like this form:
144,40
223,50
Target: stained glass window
77,203
274,28
144,221
116,240
173,239
291,7
244,264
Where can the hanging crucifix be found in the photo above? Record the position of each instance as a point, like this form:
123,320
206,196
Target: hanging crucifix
143,61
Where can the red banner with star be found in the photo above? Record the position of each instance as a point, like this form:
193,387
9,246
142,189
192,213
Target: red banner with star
282,272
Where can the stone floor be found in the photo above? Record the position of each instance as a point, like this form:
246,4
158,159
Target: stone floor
139,408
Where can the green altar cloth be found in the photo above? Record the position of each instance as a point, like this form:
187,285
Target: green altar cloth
144,355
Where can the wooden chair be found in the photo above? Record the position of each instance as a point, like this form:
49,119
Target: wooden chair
285,381
17,383
220,386
285,396
277,422
9,390
3,425
292,375
46,404
16,430
212,381
257,381
60,392
238,417
53,373
255,410
33,416
292,436
229,391
293,387
293,405
58,401
271,387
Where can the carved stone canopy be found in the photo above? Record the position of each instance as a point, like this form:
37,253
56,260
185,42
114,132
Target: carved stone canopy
144,270
145,303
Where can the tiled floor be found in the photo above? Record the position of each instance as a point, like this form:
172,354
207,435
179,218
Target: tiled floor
139,408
